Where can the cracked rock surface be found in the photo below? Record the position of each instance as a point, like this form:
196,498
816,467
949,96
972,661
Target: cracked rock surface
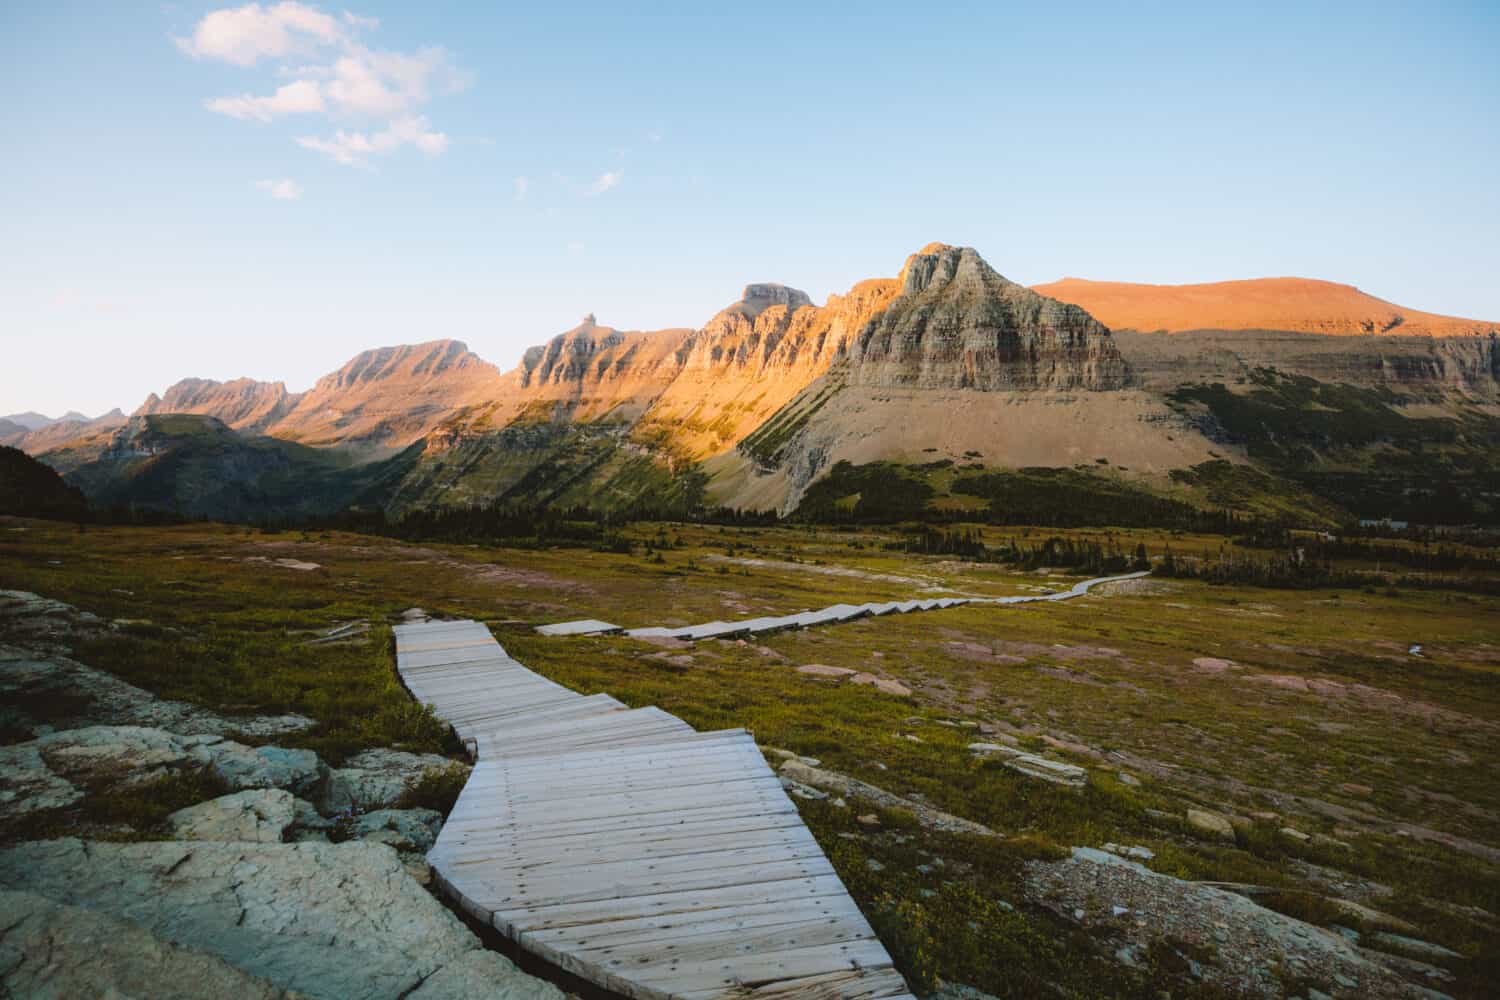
49,949
324,920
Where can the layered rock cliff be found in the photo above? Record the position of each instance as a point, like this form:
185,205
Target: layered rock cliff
243,404
957,324
385,399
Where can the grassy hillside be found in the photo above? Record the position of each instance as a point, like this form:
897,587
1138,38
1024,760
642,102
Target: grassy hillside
29,488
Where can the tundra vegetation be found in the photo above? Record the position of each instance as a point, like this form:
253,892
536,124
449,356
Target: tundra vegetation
1344,690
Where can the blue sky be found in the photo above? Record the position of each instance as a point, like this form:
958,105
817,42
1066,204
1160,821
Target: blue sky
265,191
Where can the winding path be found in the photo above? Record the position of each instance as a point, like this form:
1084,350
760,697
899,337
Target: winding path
824,616
625,847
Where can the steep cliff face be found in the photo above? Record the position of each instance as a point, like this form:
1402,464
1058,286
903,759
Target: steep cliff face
385,399
957,324
1415,368
243,404
752,358
592,371
1297,305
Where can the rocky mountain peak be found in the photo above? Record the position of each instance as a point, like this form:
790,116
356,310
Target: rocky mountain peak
759,297
242,403
958,323
939,264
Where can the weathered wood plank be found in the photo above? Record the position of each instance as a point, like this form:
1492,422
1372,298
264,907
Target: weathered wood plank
627,848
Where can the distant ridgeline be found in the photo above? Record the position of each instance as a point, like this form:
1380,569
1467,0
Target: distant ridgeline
944,394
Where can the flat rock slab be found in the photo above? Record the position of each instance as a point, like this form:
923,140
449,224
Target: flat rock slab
326,920
824,670
53,950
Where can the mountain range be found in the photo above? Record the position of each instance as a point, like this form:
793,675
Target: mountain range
1328,400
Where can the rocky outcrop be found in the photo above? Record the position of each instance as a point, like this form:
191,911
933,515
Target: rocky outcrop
42,689
324,920
243,404
53,771
1237,946
957,324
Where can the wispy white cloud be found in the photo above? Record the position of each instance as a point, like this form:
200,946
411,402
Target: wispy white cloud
299,97
361,22
282,190
606,181
353,149
523,186
245,35
347,81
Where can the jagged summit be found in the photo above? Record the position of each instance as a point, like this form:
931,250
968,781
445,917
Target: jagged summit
958,323
759,297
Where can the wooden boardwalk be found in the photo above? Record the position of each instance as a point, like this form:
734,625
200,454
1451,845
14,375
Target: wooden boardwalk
627,848
831,615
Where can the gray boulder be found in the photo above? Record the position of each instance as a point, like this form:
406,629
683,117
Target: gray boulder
376,779
260,816
407,830
325,920
298,771
52,950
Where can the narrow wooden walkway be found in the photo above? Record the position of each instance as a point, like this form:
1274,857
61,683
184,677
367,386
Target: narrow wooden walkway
831,615
629,849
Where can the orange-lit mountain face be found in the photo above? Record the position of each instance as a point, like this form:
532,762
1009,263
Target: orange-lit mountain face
1295,305
947,360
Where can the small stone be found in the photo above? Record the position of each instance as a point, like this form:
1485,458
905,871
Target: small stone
1210,823
407,830
1294,834
1126,778
881,684
869,819
824,670
873,865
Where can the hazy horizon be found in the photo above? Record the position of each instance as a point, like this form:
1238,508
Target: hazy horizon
264,191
